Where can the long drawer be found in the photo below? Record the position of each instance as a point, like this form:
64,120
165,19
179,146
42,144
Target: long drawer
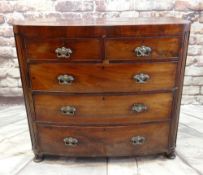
101,109
142,48
104,141
102,78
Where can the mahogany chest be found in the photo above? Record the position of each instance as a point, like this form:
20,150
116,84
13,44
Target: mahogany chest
102,87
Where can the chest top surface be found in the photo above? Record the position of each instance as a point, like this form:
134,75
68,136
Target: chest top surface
102,21
102,27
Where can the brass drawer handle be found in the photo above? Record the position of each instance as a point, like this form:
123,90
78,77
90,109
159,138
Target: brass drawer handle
142,51
68,110
70,141
65,79
63,52
139,107
138,140
141,78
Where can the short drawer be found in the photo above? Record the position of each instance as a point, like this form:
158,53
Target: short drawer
102,78
104,141
64,49
98,109
142,48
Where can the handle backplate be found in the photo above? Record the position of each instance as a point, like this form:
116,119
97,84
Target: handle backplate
63,52
139,107
70,141
138,140
143,51
141,78
68,110
65,79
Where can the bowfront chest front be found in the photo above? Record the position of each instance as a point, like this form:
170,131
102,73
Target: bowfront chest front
102,87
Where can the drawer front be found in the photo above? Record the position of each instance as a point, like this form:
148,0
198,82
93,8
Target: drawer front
104,141
64,49
102,78
98,109
142,48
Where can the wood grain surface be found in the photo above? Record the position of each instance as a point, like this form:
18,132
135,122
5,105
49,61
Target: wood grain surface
82,49
104,141
103,78
123,49
103,109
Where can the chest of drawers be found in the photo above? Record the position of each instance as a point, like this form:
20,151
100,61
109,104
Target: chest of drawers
102,87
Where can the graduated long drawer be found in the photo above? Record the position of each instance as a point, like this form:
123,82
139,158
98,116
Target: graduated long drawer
103,109
104,141
79,78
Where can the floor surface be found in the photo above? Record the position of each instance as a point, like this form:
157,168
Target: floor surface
16,155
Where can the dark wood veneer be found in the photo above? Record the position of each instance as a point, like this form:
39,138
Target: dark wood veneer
123,48
103,64
45,49
91,109
103,77
104,141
